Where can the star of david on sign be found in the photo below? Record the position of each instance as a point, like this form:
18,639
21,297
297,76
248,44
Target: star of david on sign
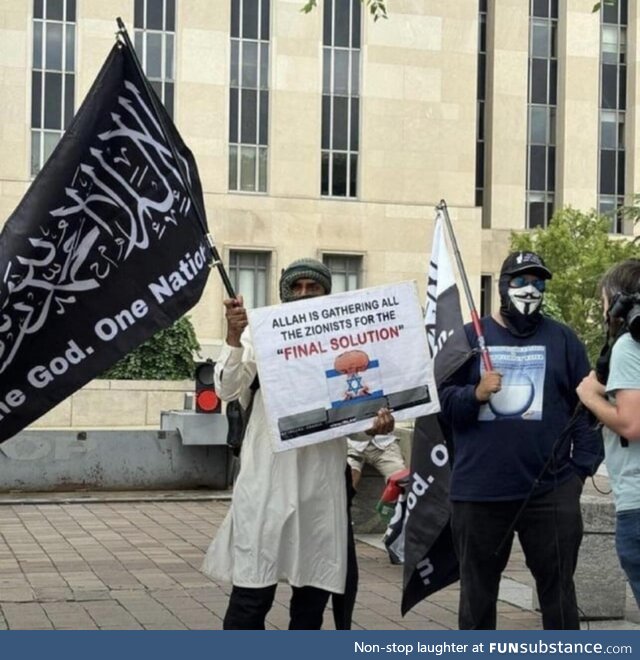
354,384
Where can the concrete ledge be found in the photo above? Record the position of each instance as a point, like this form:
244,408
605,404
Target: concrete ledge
109,460
196,428
366,520
600,582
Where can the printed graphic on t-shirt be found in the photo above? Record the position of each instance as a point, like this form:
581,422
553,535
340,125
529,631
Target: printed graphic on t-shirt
522,393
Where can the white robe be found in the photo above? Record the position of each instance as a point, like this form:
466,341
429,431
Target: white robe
288,516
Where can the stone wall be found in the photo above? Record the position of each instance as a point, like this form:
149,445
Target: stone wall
67,460
600,582
117,404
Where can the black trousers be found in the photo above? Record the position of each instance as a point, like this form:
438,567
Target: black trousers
550,532
343,604
248,608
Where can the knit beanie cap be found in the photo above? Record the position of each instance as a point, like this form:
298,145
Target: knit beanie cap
303,269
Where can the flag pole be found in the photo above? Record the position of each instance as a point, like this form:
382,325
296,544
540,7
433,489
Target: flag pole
216,260
475,319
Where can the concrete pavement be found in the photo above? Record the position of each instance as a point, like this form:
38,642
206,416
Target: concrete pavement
113,561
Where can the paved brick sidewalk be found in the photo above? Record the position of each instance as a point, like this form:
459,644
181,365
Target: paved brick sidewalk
134,565
116,564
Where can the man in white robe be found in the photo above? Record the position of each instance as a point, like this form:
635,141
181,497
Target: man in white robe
288,519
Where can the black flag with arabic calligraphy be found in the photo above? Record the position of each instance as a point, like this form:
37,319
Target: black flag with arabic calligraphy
104,250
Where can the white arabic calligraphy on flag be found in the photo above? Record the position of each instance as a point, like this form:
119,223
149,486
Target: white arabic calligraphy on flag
104,249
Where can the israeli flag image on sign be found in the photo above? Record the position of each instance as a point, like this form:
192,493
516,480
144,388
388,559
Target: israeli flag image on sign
353,377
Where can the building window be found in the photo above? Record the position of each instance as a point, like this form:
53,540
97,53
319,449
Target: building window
154,36
249,275
340,97
346,271
481,97
542,101
249,95
52,76
613,103
486,290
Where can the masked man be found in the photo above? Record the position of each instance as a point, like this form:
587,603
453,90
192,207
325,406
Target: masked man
288,519
521,452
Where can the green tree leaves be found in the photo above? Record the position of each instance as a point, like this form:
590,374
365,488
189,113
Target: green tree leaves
377,8
578,249
598,5
168,355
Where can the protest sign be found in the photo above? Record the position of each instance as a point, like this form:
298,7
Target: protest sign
328,364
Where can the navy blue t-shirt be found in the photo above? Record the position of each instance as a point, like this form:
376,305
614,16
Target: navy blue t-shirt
501,447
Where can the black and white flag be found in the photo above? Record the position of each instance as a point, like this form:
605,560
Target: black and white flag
448,343
419,535
104,250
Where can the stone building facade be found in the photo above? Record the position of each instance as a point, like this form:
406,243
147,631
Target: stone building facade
330,135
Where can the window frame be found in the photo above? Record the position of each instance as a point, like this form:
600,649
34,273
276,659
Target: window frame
141,37
486,294
481,109
611,158
541,153
43,137
329,259
346,155
243,117
236,266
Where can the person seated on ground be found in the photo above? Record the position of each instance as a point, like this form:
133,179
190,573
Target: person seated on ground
380,451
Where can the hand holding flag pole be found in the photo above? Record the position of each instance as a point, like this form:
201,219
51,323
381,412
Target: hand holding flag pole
216,260
475,319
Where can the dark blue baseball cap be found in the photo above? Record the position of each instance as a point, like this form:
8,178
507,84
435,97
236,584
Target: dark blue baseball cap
518,263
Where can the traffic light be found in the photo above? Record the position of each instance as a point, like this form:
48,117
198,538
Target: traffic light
207,401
